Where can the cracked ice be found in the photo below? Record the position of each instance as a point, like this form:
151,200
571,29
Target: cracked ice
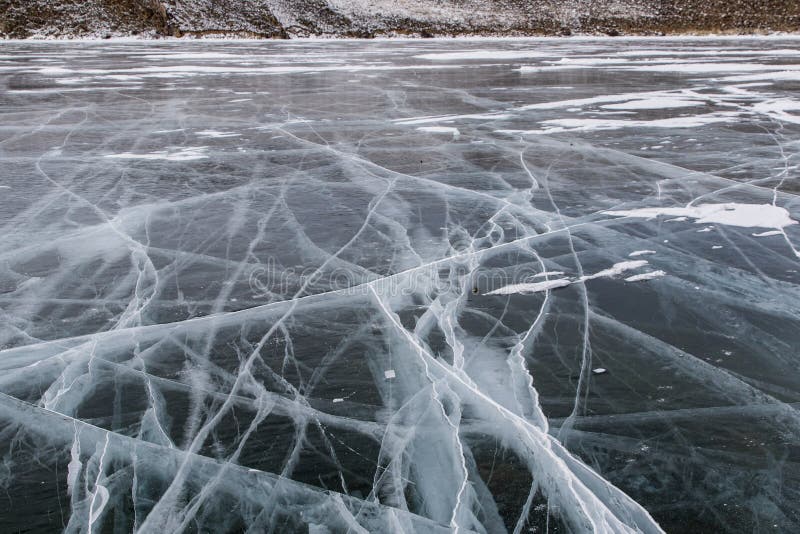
412,286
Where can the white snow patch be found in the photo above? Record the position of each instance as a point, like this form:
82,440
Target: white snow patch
709,68
481,54
664,102
779,108
53,70
616,269
535,287
548,273
183,154
444,118
781,75
768,233
584,125
193,56
640,253
645,276
441,129
580,102
731,214
216,133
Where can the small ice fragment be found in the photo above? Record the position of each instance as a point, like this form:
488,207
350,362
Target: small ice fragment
716,247
599,371
338,400
706,229
640,253
677,219
389,374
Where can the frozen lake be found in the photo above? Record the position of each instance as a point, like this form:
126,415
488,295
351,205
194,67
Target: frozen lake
326,286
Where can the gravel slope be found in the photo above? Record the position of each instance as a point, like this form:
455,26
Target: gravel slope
369,18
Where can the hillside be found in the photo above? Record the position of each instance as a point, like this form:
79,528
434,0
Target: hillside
363,18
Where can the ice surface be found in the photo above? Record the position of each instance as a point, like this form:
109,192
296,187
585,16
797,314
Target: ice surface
337,286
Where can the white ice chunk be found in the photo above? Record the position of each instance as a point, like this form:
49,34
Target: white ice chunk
599,371
389,374
640,253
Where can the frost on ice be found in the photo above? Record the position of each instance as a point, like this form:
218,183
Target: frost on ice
240,292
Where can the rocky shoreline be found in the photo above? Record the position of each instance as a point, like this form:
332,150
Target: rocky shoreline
282,19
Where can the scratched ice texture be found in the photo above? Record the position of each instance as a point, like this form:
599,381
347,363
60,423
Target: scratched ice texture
420,286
